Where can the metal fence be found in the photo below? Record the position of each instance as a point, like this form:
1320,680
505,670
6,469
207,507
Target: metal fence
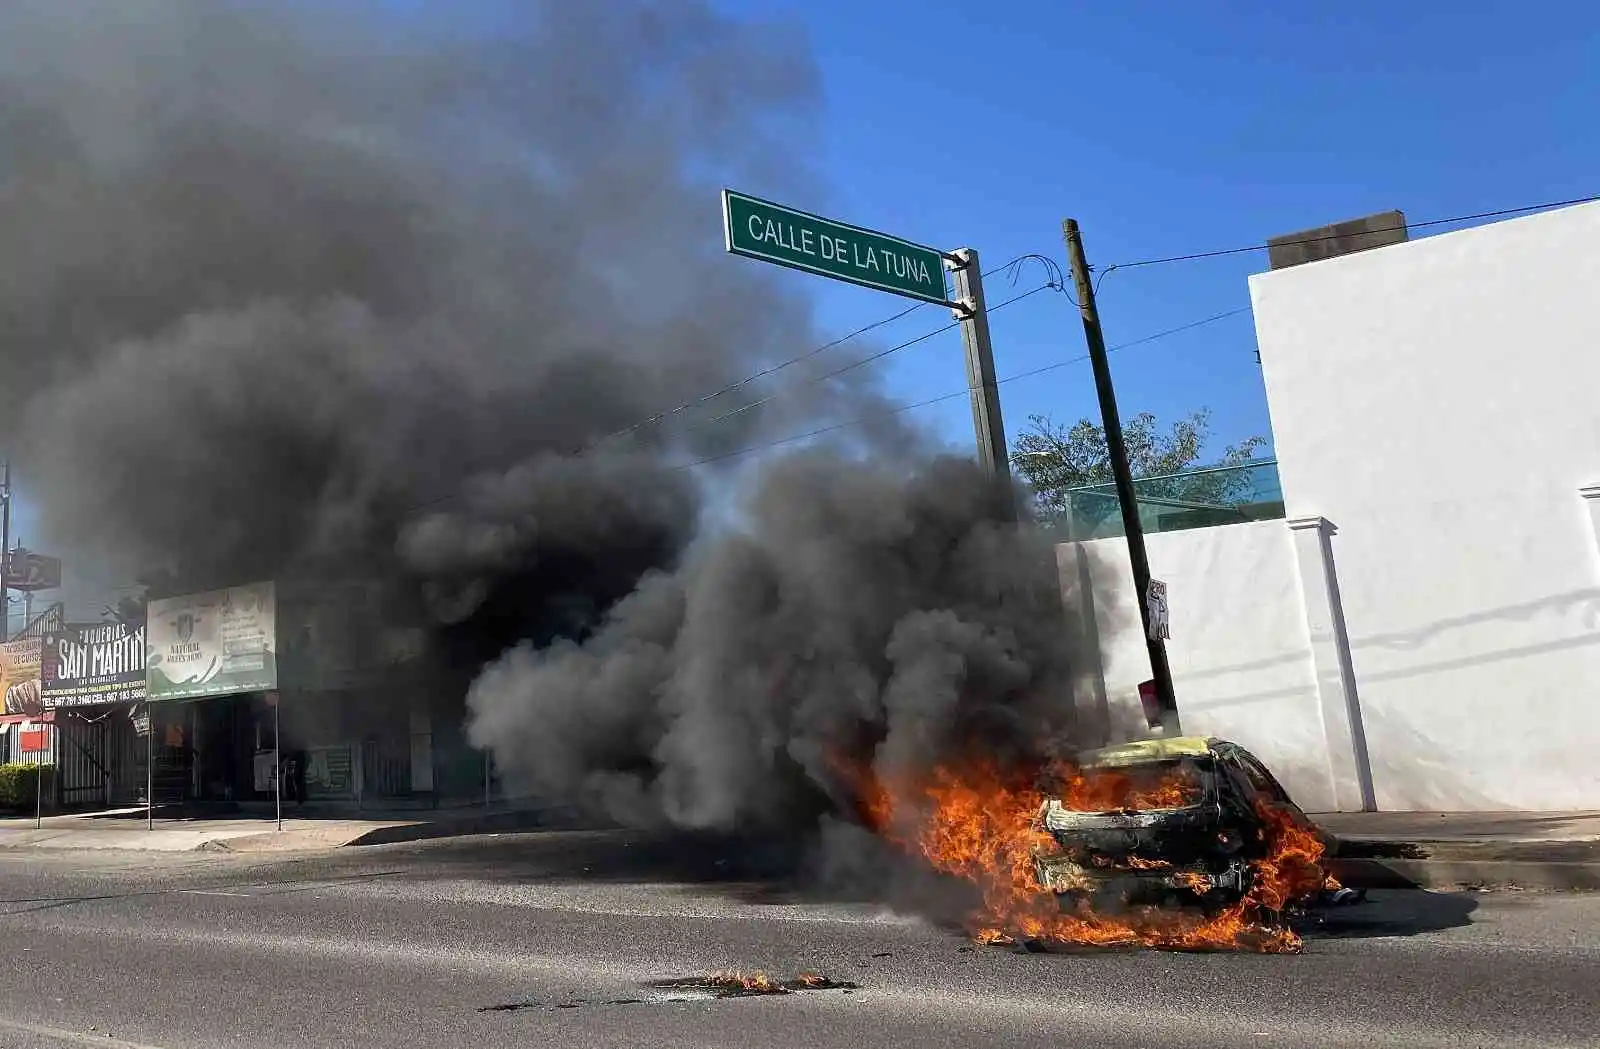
1201,498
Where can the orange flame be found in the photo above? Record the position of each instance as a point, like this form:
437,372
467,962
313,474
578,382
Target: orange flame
981,825
738,980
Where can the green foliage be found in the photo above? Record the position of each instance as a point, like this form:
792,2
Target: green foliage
17,784
1055,459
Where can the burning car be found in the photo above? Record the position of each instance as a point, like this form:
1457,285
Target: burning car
1188,821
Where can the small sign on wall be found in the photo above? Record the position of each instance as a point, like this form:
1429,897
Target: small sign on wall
1156,611
35,740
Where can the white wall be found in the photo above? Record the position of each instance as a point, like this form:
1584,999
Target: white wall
1436,401
1240,651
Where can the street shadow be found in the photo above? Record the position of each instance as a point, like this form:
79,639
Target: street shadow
608,854
850,866
1391,913
31,904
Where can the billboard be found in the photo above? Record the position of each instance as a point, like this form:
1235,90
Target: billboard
26,570
212,644
93,664
19,676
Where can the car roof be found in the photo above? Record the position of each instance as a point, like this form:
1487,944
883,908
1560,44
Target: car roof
1148,750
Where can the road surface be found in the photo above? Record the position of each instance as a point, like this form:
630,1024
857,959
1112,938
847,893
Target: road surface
416,945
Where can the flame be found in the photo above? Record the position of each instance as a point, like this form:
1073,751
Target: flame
1121,790
980,824
734,979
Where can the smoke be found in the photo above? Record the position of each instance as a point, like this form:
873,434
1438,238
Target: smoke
272,281
325,296
855,614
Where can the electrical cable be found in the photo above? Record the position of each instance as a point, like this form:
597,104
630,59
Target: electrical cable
1337,236
821,431
860,420
869,360
1013,267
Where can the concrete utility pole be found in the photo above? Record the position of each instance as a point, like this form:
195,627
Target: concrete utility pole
1160,671
973,314
5,549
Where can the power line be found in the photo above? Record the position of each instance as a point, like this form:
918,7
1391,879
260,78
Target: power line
901,409
1013,267
874,357
1337,236
859,420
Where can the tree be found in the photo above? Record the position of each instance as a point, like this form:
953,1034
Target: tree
1055,459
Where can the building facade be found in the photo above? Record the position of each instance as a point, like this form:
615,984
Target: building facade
1422,631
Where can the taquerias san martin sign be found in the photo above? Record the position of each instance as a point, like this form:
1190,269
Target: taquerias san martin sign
93,664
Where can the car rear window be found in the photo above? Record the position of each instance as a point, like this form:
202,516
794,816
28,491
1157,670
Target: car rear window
1172,784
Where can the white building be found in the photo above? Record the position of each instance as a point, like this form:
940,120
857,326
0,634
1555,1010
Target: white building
1423,631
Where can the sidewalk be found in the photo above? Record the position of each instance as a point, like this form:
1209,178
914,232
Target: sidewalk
1531,850
127,829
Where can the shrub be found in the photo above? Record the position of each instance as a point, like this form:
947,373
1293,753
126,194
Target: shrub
17,784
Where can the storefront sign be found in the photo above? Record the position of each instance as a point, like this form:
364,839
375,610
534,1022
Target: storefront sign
213,644
19,676
94,664
26,570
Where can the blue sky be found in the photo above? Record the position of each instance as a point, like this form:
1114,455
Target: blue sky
1170,128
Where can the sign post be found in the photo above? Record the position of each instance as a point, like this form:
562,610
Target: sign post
785,236
36,741
149,768
277,759
5,548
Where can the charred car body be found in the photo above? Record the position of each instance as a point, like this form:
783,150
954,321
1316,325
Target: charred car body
1169,821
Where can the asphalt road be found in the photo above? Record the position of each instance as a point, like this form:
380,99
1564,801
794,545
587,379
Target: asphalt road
411,946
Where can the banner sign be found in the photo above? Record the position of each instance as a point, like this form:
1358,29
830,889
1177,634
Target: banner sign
19,676
93,664
26,570
212,644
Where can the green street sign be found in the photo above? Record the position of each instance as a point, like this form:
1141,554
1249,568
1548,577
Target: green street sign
760,229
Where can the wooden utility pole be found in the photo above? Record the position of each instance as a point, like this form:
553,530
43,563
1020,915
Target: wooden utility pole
1160,671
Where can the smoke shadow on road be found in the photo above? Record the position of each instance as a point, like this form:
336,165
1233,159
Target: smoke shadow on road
772,868
1391,913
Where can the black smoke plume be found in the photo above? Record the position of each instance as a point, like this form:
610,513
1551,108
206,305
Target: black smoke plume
311,296
855,616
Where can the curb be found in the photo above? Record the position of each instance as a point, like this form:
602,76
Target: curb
1458,874
488,823
313,840
1549,866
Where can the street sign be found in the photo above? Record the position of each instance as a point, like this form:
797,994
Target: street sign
760,229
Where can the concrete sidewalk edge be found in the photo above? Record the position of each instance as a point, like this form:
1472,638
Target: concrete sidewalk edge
462,825
1456,874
